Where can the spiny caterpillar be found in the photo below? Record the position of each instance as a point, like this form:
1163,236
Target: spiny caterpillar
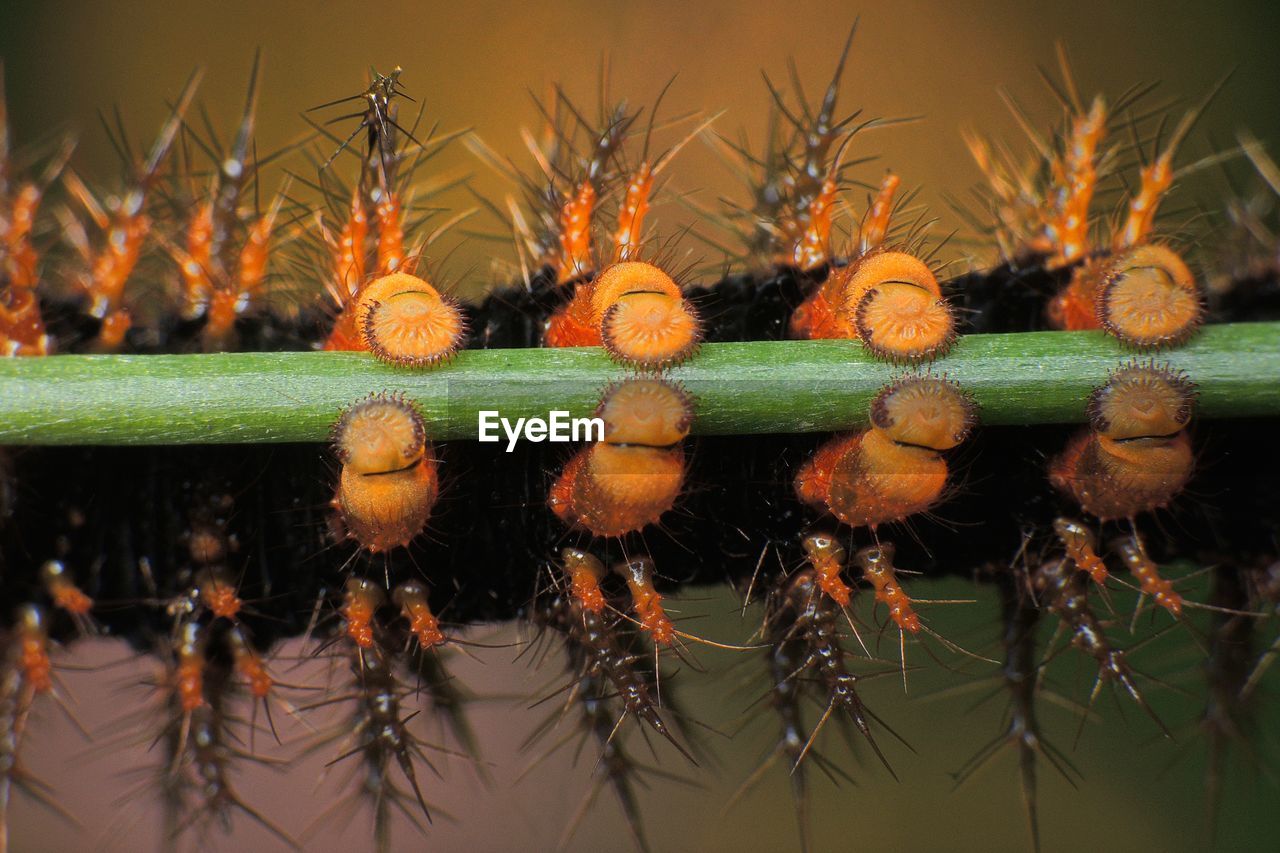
383,562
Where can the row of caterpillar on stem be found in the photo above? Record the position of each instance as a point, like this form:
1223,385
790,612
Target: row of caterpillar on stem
878,291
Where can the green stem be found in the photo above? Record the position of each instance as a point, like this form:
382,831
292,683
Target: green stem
760,387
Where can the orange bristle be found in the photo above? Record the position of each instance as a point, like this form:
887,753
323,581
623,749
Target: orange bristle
877,570
827,556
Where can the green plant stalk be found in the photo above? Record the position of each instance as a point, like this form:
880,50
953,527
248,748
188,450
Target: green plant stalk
741,388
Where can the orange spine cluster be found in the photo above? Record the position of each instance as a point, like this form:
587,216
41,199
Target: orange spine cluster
1076,175
371,239
1147,572
875,226
633,309
388,215
1156,180
188,673
224,262
813,248
237,295
877,570
827,556
125,223
1140,291
646,601
1078,541
33,650
360,601
411,597
109,268
22,329
250,666
802,179
63,591
1143,293
348,255
584,573
635,207
195,263
16,226
219,594
575,258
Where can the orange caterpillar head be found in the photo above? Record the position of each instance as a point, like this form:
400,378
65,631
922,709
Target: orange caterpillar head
889,300
895,468
389,482
1148,298
1114,479
897,308
645,412
633,476
381,433
403,320
924,411
637,472
1142,400
1137,456
643,317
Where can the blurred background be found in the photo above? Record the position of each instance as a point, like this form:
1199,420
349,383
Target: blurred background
475,65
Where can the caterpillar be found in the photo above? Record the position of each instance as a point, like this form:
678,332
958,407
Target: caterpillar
382,553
